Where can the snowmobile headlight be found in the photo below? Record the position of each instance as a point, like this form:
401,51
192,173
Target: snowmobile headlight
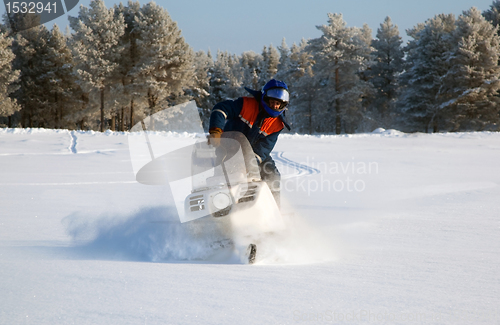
221,201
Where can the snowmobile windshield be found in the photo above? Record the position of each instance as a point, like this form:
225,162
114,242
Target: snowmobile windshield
231,162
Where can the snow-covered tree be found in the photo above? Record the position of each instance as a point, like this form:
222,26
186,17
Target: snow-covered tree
18,22
294,64
365,121
493,14
300,78
199,91
471,84
30,47
225,77
59,80
303,103
125,89
365,35
340,57
427,61
384,73
8,79
251,64
165,61
295,69
284,59
270,62
95,46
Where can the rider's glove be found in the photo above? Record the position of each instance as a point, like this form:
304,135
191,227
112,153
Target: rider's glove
214,137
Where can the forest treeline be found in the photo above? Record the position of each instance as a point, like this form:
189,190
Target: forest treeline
119,65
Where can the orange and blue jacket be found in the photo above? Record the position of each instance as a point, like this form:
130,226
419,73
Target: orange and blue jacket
246,115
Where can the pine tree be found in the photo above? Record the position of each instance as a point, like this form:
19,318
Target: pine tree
365,121
251,65
471,84
270,62
125,90
225,76
340,57
365,35
30,49
295,69
303,103
388,56
284,60
203,63
299,60
219,80
426,63
493,14
95,44
165,66
59,80
8,79
18,22
236,88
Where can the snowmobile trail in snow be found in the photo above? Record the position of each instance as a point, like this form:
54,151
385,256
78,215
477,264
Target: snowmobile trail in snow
302,169
73,142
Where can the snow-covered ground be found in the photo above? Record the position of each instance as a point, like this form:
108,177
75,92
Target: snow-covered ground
386,228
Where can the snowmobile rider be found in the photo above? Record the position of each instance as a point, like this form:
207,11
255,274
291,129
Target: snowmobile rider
260,118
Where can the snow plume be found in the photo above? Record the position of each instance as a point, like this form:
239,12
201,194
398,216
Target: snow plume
150,234
299,244
156,235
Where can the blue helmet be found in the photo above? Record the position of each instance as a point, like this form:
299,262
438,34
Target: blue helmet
278,90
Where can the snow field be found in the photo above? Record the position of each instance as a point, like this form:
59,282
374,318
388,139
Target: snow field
82,243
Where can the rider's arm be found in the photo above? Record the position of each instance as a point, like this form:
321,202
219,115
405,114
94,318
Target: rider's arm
226,110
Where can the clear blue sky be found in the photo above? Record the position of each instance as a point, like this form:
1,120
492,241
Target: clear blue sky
238,26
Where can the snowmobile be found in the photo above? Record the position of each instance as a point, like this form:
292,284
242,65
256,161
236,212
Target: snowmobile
219,184
226,183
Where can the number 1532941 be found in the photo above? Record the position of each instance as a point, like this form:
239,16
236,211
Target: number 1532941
30,7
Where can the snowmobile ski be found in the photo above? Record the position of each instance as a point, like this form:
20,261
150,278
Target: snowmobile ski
251,252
